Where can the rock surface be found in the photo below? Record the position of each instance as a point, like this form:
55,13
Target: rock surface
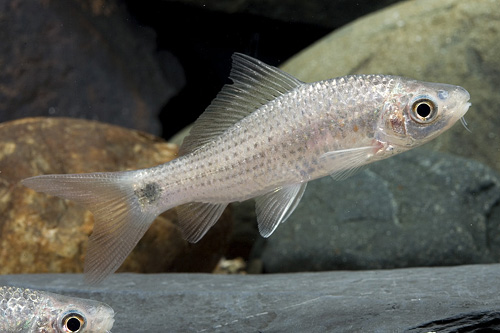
450,41
82,59
420,208
40,233
444,299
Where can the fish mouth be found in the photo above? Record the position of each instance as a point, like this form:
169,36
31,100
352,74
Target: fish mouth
464,104
461,111
464,109
461,107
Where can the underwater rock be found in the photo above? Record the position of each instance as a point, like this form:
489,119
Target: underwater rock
40,233
82,59
438,299
420,208
449,41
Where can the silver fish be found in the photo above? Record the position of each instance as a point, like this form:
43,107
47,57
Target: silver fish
27,310
264,137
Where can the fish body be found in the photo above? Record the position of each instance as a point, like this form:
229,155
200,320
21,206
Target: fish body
33,311
264,137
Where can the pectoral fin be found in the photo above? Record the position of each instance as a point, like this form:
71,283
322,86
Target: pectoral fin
344,163
275,207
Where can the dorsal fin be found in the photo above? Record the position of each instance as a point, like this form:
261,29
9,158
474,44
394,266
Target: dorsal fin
254,84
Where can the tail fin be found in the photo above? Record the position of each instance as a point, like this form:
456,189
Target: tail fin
120,219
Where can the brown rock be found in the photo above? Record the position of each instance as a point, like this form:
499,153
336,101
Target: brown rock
41,233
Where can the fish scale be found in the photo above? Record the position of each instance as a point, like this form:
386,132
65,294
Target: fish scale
264,136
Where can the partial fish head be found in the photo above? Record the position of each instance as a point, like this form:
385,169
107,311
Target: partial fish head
80,315
417,112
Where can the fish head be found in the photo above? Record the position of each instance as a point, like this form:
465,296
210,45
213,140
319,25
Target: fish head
80,315
416,112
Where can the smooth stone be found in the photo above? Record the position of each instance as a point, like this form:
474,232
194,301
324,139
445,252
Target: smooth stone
440,299
41,233
420,208
448,41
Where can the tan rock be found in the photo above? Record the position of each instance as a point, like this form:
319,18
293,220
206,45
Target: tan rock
41,233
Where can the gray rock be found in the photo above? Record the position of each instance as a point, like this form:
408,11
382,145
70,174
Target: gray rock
82,59
445,299
450,41
420,208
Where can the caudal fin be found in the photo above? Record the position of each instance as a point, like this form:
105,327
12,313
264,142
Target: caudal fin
120,220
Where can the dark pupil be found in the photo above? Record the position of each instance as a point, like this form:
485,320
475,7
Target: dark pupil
423,110
73,324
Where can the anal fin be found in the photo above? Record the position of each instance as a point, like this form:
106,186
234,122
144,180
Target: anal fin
196,218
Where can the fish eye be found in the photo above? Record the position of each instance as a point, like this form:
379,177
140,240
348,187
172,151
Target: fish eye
73,322
423,110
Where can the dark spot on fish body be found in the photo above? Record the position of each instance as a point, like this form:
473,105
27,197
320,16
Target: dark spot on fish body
148,194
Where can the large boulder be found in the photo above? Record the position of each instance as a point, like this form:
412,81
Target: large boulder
40,233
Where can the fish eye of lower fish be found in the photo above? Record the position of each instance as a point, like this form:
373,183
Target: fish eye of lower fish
423,110
73,322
